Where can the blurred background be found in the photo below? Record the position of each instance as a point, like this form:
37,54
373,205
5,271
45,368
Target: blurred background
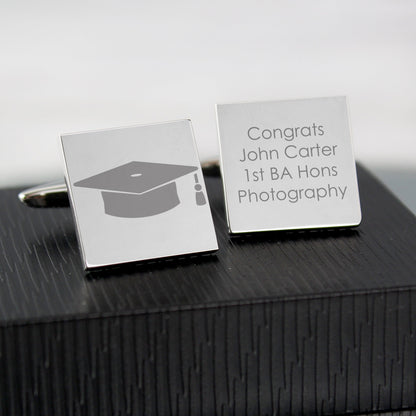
82,65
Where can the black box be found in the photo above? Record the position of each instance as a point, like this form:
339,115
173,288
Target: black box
313,322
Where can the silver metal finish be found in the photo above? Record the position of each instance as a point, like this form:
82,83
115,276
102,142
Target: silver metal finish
288,165
137,193
55,194
52,194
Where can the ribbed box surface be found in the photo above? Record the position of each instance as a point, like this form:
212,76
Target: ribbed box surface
318,322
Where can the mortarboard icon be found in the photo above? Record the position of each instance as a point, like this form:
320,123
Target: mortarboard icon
141,189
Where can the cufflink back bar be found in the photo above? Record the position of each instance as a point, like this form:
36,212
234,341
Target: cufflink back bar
137,193
288,165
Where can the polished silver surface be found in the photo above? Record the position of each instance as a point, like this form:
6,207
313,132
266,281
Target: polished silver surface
137,193
288,165
51,194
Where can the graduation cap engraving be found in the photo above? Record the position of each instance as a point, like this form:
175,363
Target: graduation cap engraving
137,208
141,189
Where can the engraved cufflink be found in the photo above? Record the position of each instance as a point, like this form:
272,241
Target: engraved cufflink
137,193
288,165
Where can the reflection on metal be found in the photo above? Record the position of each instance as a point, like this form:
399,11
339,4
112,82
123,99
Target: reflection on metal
49,195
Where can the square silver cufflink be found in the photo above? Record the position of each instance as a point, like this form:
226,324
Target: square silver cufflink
137,193
288,165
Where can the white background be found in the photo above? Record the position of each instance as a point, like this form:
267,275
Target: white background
79,65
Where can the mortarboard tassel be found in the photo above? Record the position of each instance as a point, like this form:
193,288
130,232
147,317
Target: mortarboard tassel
199,195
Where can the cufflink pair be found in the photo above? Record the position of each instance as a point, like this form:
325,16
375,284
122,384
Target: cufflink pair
138,193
